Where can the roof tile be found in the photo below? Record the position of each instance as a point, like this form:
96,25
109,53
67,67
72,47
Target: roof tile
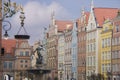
104,13
62,25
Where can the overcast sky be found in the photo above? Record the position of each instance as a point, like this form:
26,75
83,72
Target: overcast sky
38,13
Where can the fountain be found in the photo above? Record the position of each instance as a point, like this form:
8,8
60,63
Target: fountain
37,70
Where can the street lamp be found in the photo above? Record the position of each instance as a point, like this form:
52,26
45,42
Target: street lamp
6,28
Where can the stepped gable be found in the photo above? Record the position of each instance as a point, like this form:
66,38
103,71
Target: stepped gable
104,13
80,24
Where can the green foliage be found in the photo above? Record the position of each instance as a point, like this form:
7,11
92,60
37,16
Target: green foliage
55,78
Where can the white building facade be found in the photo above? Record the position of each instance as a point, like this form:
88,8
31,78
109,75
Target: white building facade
74,48
61,55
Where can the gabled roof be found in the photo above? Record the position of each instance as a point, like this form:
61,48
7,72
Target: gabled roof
63,25
87,16
80,24
9,46
103,13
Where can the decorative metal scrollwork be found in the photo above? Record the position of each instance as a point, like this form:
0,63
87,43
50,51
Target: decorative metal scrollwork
9,9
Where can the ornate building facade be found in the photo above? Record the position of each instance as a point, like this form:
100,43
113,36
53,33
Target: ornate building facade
61,56
22,58
106,37
68,60
116,47
82,23
8,58
74,51
52,52
96,19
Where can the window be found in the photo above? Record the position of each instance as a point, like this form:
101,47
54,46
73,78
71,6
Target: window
116,54
103,43
94,60
26,61
21,61
119,54
21,53
27,53
109,55
2,51
90,47
10,65
113,41
117,40
109,41
109,67
102,55
102,67
105,67
5,65
117,28
106,28
21,66
26,66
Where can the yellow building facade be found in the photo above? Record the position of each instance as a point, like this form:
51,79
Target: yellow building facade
106,36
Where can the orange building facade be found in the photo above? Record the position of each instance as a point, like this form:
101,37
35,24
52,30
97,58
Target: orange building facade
82,23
